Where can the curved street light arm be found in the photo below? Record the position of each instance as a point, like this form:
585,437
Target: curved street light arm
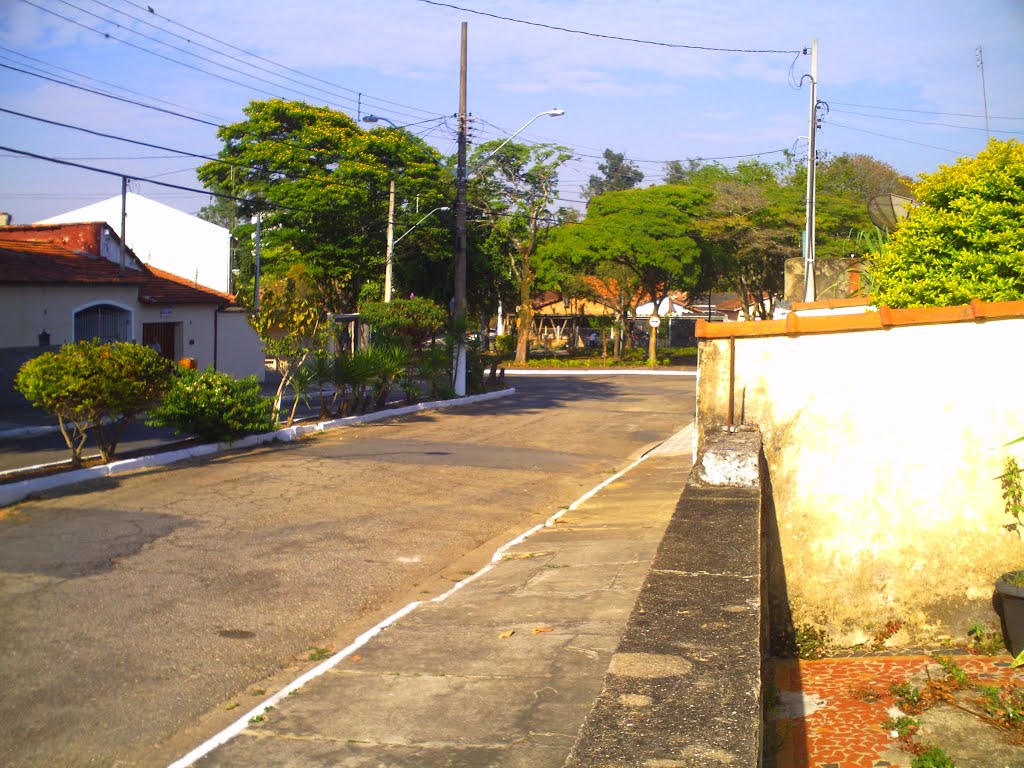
410,229
549,112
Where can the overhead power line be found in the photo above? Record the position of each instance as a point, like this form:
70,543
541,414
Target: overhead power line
925,122
79,75
921,111
370,97
183,152
122,99
607,37
894,138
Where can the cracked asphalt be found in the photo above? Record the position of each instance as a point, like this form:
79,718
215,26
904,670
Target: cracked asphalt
142,613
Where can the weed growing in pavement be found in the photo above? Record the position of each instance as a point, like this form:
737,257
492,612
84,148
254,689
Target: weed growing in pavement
932,758
907,697
1005,704
258,691
866,694
319,654
904,726
956,677
984,641
256,719
812,642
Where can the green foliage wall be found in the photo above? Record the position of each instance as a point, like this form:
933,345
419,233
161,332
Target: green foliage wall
966,238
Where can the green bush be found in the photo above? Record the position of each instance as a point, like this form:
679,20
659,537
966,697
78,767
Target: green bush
404,321
94,386
214,406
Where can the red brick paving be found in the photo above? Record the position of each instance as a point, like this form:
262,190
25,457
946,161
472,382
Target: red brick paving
853,699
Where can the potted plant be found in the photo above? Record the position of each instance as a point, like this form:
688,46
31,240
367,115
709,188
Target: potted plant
1010,586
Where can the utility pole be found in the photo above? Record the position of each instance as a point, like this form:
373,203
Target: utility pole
459,314
124,215
810,292
984,95
391,243
256,274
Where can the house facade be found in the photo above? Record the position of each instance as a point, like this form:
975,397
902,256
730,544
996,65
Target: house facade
69,282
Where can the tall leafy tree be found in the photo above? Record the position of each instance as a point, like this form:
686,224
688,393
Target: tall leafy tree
321,183
646,232
857,177
617,173
513,189
965,239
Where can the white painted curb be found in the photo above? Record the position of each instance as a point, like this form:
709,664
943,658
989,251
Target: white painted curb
15,492
241,723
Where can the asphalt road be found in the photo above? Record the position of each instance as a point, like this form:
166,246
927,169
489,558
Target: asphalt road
141,614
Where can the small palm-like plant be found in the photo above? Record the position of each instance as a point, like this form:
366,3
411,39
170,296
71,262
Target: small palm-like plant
390,363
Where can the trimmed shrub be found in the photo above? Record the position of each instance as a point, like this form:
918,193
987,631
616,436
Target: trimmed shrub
214,406
94,386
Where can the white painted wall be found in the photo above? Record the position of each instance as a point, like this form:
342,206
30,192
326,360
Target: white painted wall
164,237
883,448
239,349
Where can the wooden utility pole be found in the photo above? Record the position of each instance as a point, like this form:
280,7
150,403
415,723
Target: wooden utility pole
459,314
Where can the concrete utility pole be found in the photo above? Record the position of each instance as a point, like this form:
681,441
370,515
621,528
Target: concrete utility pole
984,95
459,314
810,292
256,273
391,243
124,215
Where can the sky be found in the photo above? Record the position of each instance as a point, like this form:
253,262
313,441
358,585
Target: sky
898,80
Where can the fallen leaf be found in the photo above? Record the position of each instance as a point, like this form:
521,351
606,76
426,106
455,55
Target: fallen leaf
538,630
231,706
357,657
506,633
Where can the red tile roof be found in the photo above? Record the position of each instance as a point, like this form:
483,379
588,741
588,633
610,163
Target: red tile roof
43,263
34,262
166,288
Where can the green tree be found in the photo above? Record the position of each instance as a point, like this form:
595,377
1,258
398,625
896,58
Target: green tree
94,386
965,239
292,326
513,190
617,173
321,183
857,177
647,232
409,321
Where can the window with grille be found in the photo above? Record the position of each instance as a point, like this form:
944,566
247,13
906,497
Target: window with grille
104,322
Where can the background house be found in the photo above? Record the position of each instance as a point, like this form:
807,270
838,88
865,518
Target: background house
165,238
62,283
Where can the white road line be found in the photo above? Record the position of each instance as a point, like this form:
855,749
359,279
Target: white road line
240,725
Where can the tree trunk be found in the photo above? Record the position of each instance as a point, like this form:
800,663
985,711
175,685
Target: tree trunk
524,325
652,346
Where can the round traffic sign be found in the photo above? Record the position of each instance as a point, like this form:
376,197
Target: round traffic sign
654,321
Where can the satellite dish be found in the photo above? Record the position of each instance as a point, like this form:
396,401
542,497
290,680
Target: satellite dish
885,211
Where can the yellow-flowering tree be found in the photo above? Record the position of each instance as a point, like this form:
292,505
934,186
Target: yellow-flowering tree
966,238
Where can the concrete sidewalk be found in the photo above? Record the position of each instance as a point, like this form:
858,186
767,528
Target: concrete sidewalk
500,671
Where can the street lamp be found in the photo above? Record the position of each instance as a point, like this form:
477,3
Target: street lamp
461,180
389,257
392,240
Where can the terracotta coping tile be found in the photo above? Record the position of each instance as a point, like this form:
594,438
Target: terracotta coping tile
884,317
831,303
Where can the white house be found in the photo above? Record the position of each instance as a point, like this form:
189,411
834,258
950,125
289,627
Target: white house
61,283
164,237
